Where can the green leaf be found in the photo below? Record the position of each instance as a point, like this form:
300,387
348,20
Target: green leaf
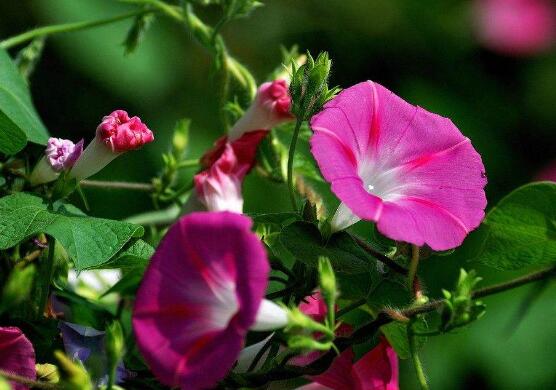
305,242
89,241
133,255
16,107
128,284
12,139
521,229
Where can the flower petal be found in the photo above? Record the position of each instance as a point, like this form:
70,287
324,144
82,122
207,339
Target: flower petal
200,294
17,355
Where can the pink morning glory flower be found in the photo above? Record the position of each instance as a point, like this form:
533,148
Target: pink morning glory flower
270,107
201,293
218,187
116,134
410,171
59,155
376,370
516,27
17,355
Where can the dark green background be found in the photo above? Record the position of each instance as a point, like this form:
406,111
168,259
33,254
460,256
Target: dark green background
423,50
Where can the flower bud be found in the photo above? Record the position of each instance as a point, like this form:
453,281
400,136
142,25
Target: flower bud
219,187
271,107
59,155
116,134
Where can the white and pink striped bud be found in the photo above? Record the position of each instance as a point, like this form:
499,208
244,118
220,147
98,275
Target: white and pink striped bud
270,107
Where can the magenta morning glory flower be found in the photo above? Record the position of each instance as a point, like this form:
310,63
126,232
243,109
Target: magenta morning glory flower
202,291
410,171
516,27
17,355
116,134
376,370
59,155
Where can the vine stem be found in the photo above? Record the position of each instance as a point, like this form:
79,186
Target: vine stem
413,265
421,377
379,256
65,27
368,330
117,185
47,276
28,382
291,155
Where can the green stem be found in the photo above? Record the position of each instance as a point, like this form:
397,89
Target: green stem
421,377
46,280
61,28
291,155
413,268
117,185
188,163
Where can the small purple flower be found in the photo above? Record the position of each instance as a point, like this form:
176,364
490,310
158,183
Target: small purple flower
86,344
61,153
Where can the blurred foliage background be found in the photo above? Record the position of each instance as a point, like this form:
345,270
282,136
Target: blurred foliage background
424,50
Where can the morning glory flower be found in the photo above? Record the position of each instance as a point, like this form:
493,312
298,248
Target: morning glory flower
116,134
201,293
17,355
410,171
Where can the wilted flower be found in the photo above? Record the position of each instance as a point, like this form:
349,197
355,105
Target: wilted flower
202,291
410,171
516,27
17,355
117,133
376,370
218,187
270,107
59,155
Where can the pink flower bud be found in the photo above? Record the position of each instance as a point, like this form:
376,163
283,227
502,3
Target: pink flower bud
62,153
116,134
122,133
270,108
219,187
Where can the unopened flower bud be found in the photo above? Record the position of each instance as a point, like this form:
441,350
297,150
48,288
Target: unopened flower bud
117,133
219,187
59,155
270,107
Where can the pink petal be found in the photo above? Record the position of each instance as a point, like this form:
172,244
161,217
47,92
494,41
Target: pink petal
378,369
338,375
199,296
17,355
407,169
